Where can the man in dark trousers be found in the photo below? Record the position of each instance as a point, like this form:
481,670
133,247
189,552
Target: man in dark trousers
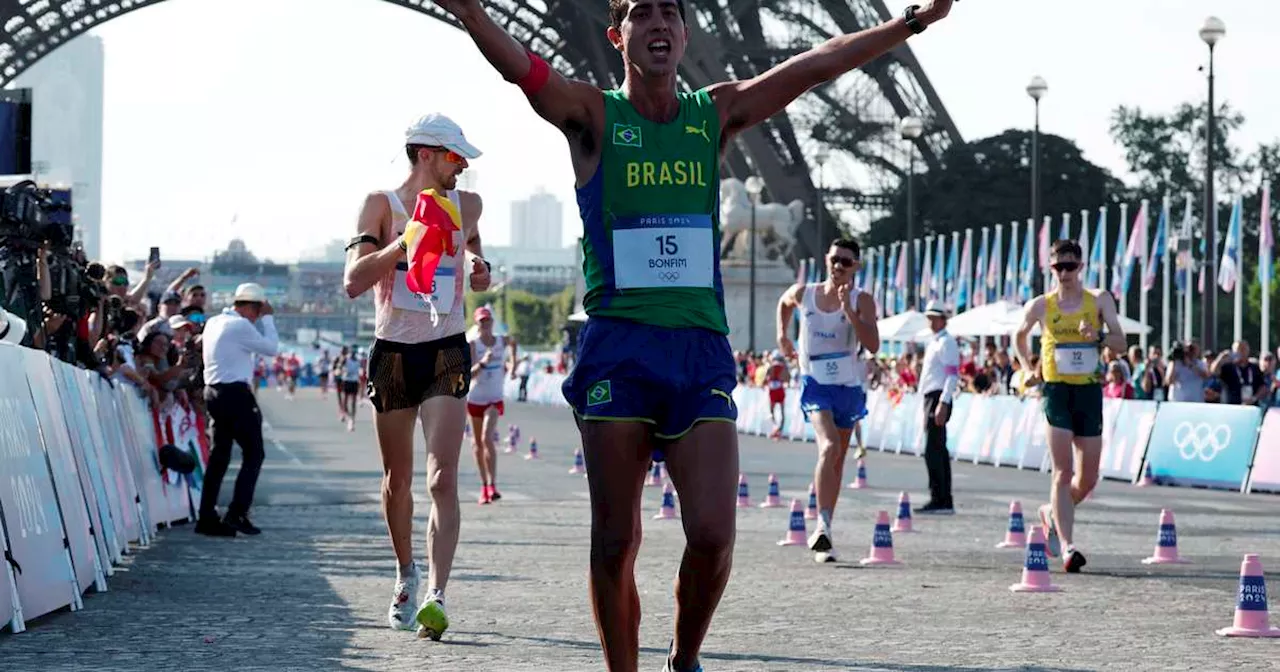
232,340
939,382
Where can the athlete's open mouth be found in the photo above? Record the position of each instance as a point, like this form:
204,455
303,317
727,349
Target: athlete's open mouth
660,47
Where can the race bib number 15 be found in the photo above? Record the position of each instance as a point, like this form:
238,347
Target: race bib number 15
663,251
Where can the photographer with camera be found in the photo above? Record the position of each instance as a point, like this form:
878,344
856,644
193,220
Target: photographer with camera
1186,373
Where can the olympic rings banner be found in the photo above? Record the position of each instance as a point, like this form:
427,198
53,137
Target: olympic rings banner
1208,445
80,483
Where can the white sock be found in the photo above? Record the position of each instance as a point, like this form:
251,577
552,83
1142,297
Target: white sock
824,516
405,571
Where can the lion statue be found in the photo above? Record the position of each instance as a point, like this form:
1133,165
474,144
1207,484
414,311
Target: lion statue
776,223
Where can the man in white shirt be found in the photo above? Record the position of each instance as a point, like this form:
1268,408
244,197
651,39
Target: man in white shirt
231,342
939,381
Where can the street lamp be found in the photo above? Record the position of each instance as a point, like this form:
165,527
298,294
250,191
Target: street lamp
821,157
754,185
1211,32
911,128
1036,89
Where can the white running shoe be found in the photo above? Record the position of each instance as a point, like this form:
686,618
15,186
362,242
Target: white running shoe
401,614
828,555
820,540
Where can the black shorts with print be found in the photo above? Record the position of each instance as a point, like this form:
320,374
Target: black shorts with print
403,375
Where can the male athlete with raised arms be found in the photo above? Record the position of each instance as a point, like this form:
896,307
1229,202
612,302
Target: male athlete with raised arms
1070,319
420,362
655,371
836,318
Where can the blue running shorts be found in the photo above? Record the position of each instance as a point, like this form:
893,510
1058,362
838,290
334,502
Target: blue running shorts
669,378
847,403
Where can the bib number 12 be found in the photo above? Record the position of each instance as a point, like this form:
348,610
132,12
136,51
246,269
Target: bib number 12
667,244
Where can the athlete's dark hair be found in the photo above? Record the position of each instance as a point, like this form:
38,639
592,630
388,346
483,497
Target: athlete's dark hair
412,152
618,11
1067,246
848,244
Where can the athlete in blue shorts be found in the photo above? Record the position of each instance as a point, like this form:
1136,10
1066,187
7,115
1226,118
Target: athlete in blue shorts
654,368
836,318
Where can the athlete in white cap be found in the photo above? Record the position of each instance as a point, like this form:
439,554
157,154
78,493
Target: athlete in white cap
484,401
420,363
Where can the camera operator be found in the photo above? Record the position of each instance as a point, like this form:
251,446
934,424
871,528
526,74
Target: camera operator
1186,373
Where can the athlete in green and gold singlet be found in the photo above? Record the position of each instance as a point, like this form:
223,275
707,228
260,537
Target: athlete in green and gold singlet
1071,320
655,371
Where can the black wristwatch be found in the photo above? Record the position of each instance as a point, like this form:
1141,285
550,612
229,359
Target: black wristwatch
909,15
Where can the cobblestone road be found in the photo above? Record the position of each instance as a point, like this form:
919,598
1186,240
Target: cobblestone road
311,592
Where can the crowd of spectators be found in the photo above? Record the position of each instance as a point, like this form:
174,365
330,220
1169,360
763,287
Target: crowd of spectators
1231,376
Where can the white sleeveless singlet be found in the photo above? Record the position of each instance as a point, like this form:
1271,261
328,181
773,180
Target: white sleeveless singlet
486,386
828,343
402,316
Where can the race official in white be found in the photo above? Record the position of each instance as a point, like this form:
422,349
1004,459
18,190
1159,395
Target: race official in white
232,340
939,382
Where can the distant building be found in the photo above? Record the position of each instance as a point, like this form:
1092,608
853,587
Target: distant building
538,271
66,130
536,222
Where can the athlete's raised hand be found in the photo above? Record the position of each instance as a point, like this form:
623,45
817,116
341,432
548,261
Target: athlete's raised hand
459,8
1087,331
479,275
935,10
842,293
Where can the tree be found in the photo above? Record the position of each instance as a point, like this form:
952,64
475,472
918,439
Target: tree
1253,306
988,181
1167,152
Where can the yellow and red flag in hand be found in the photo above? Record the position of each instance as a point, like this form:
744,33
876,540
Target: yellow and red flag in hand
429,237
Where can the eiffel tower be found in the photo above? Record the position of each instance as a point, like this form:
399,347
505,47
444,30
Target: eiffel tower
847,127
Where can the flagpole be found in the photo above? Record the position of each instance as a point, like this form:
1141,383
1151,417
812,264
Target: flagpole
1103,281
1238,327
1143,262
1164,293
1264,259
981,272
1044,266
1189,297
1124,229
998,253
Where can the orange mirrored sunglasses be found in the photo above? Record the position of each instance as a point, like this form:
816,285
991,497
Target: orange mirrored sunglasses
449,155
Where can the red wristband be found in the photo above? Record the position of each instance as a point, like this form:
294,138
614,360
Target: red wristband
536,78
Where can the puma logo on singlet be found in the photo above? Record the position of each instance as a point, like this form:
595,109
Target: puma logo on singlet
696,130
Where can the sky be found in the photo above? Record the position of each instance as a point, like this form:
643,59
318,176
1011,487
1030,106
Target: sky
269,120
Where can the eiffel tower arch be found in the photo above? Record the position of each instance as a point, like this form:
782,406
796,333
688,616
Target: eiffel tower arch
850,122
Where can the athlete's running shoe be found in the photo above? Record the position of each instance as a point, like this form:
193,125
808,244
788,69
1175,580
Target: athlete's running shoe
1073,562
671,666
493,492
820,540
485,496
431,617
1052,545
400,615
828,555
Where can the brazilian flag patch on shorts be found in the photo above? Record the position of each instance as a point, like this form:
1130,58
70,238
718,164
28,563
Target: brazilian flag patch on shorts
600,393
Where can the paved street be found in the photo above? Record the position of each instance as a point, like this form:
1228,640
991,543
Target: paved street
311,592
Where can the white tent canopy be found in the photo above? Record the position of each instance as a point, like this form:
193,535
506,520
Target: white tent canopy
1002,318
902,327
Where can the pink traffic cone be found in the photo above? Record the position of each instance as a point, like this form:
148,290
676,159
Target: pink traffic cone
655,476
513,439
1035,571
1251,603
533,450
578,466
861,481
744,500
811,511
881,543
1166,543
903,523
1015,536
668,510
772,500
795,527
1147,478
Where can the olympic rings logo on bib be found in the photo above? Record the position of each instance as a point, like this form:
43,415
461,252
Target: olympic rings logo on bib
669,276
